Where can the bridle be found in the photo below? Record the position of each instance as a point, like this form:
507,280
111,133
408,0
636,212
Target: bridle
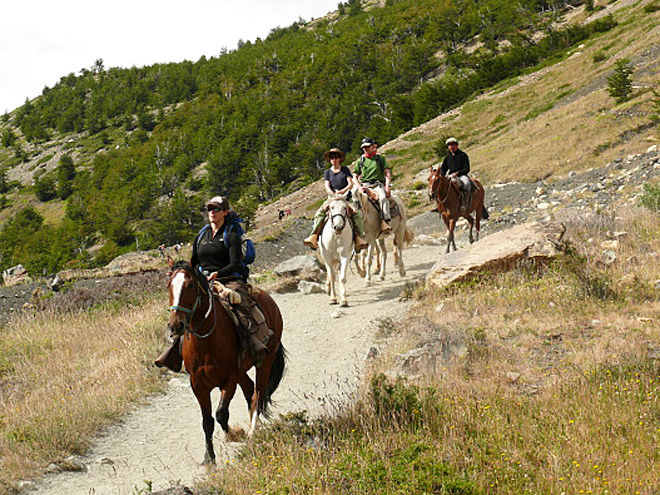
437,186
198,301
340,215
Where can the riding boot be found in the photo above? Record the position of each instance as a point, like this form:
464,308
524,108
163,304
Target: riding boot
360,244
312,241
385,227
171,357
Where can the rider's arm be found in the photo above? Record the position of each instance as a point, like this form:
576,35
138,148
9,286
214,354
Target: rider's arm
328,188
388,177
234,242
349,185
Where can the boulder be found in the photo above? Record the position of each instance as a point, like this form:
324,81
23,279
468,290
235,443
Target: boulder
499,251
297,266
430,359
307,287
15,275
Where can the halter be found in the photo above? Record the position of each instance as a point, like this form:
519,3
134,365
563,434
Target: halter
190,312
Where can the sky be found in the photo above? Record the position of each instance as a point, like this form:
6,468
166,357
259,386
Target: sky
44,40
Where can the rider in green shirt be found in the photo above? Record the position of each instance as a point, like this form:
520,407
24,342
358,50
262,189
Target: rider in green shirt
371,171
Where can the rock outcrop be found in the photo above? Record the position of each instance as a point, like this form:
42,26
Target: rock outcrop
499,251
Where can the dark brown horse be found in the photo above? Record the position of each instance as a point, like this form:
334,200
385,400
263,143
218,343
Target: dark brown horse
448,196
211,350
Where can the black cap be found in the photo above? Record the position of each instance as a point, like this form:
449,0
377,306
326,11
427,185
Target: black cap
367,142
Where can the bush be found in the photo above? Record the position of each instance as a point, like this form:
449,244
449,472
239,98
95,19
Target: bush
599,57
651,197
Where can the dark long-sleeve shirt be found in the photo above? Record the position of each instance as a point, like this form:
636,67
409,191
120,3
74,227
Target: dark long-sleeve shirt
211,253
458,163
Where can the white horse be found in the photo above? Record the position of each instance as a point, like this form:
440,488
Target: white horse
336,247
376,241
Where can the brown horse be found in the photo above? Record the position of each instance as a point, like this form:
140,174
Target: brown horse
211,350
447,196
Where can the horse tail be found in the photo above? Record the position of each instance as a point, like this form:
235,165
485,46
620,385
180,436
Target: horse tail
274,379
408,237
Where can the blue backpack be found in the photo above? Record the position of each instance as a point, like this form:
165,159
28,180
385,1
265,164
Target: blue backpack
248,252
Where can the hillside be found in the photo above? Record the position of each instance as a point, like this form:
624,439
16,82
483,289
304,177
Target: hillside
143,147
543,378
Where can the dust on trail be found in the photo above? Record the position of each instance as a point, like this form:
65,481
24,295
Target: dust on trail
161,443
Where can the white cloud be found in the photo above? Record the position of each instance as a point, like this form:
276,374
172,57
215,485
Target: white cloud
42,41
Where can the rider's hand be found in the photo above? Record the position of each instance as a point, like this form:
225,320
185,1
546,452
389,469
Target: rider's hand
213,276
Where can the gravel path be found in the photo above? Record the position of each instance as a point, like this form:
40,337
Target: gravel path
161,442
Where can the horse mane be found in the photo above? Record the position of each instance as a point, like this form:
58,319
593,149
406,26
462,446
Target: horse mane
184,265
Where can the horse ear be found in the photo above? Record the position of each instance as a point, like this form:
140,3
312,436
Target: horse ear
170,261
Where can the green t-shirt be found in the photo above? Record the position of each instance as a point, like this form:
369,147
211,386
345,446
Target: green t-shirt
371,168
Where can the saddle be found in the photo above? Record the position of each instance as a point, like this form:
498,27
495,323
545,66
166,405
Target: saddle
394,207
251,326
464,196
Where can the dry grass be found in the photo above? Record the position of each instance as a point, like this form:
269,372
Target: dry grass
64,376
558,390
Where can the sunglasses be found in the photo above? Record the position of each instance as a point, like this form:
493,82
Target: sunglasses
214,209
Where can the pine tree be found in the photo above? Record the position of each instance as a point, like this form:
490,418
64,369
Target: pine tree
620,81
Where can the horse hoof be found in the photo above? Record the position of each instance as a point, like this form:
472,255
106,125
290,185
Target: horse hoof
343,304
333,301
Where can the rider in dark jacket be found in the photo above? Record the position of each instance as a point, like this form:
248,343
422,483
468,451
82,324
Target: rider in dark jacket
220,261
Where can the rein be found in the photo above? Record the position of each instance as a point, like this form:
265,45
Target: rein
191,312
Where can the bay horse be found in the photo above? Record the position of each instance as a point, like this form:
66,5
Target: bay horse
211,350
376,240
447,196
336,247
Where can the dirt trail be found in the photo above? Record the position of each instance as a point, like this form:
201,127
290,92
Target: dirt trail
161,442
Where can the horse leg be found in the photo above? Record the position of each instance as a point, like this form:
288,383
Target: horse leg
398,250
341,281
471,222
452,227
262,375
247,386
359,267
332,282
367,264
382,255
222,413
477,215
208,423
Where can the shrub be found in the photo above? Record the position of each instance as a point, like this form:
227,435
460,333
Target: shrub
651,197
599,57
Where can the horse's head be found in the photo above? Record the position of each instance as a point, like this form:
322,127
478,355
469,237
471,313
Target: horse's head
338,212
186,287
433,183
